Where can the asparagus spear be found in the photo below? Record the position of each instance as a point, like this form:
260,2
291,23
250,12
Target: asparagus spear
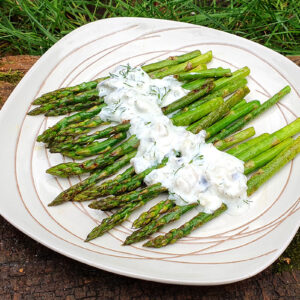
99,147
200,67
262,159
234,139
68,169
144,232
98,175
270,141
223,92
89,123
209,73
191,116
242,147
69,133
237,75
172,60
88,139
125,186
74,108
224,87
188,65
108,203
233,115
189,98
78,98
175,234
240,104
252,115
270,169
117,218
126,175
96,147
197,84
67,91
108,185
81,127
52,131
94,193
214,116
153,213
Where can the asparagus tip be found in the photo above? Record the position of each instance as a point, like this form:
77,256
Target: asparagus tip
54,203
88,238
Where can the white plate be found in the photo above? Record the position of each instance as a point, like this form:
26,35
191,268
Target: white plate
230,248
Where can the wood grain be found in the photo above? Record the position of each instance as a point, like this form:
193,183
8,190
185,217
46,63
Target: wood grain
29,270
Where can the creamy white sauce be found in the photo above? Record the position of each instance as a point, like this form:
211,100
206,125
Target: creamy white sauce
195,171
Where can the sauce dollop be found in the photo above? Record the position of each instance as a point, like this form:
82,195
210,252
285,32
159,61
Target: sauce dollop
195,171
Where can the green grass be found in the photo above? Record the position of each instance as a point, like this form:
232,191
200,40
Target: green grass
32,26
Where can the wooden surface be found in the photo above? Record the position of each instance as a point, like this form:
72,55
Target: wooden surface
29,270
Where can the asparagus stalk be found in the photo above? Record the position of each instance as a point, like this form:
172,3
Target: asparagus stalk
214,116
233,115
52,131
175,234
100,147
125,186
153,213
96,147
240,104
200,67
270,169
111,202
96,192
252,115
270,141
234,139
81,127
89,123
74,108
68,169
237,75
85,124
117,218
209,73
88,139
126,175
67,91
262,159
189,98
242,147
98,175
78,98
170,61
224,87
223,92
144,232
186,66
197,84
69,133
191,116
